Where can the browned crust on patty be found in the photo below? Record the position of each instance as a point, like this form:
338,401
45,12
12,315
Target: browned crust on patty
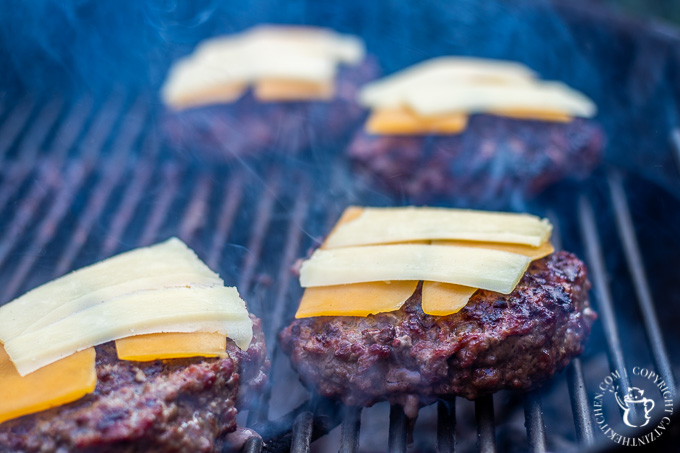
166,405
492,161
495,342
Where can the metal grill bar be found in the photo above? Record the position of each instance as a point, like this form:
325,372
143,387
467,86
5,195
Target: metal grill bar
351,426
45,181
486,431
579,403
446,426
13,126
675,145
196,211
575,379
252,445
86,220
15,174
65,138
35,135
290,254
599,274
48,227
101,193
162,205
71,128
99,131
624,224
262,218
396,442
276,314
533,415
302,432
130,201
233,193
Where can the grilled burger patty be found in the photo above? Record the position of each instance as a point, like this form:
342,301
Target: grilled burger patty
495,342
495,159
249,126
182,405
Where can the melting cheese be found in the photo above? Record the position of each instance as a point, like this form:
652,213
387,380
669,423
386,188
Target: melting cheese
393,225
168,264
62,382
488,269
403,121
216,309
157,346
359,299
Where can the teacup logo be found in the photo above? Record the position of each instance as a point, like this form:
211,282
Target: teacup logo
635,398
644,403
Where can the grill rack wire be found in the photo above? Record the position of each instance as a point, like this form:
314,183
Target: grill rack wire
79,183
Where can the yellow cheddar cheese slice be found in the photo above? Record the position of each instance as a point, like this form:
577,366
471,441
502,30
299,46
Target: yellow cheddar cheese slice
292,90
59,383
359,299
403,121
442,299
539,115
171,345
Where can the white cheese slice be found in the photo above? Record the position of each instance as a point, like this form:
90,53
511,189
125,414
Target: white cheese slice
216,309
389,92
193,82
164,281
317,41
478,268
539,96
145,268
221,67
391,225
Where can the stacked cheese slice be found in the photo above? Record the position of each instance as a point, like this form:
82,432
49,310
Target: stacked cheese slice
281,62
437,96
374,258
156,302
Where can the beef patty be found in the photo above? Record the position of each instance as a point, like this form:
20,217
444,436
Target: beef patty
493,161
515,341
182,405
249,127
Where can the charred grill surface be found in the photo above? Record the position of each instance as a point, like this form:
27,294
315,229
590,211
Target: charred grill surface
171,405
515,341
495,159
248,127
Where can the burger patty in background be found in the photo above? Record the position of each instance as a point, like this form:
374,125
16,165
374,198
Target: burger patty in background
187,405
494,161
250,128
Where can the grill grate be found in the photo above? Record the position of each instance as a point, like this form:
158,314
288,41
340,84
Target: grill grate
79,184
